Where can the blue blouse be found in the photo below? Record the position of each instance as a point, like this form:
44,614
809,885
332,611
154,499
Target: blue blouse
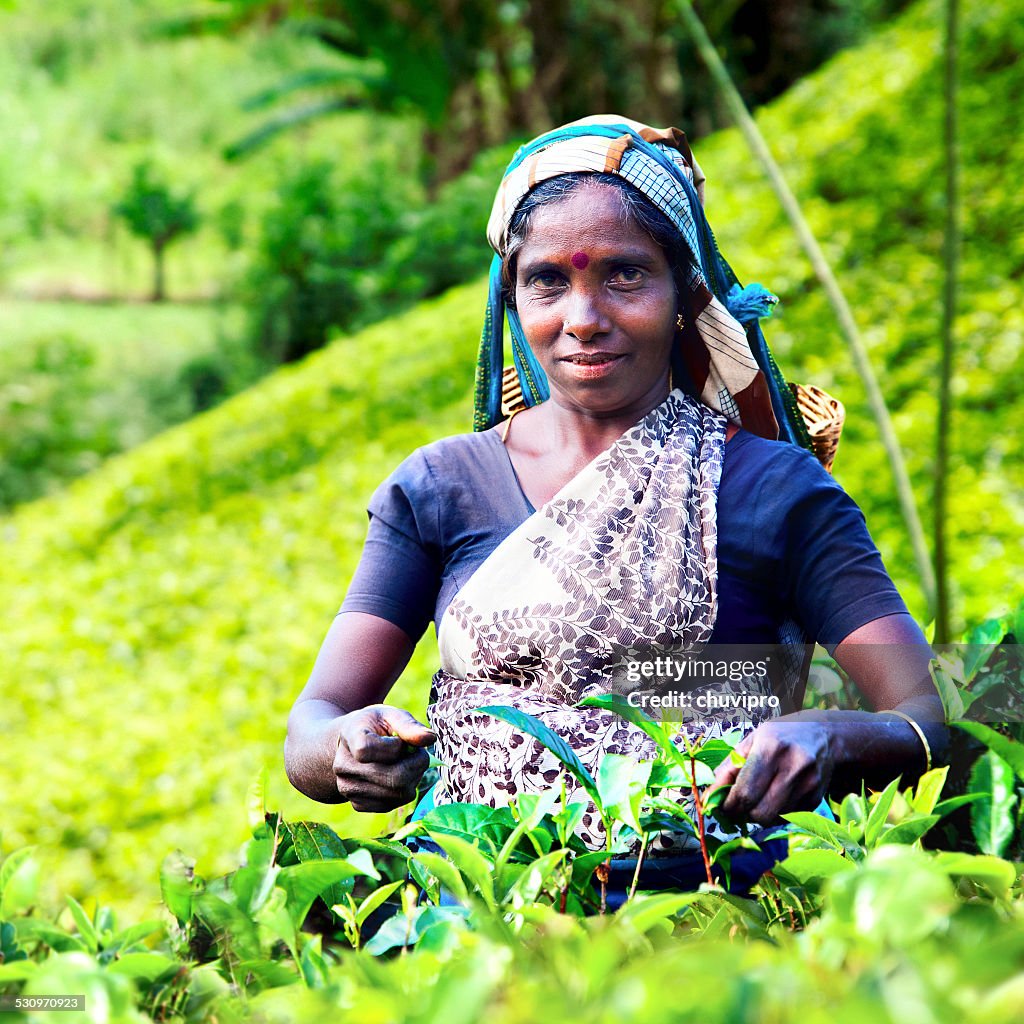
791,543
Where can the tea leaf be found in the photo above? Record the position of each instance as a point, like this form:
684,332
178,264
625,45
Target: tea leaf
929,789
420,923
622,783
19,882
992,821
178,884
829,831
234,930
568,819
84,925
531,881
946,674
53,935
445,872
272,918
713,753
265,973
305,882
313,965
253,883
674,811
995,874
879,813
532,808
583,866
376,899
135,933
854,811
944,807
647,911
635,716
387,846
19,970
670,776
548,739
313,840
472,823
715,799
981,641
471,862
728,848
144,966
803,865
1009,750
907,832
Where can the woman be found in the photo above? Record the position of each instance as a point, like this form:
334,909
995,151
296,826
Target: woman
640,506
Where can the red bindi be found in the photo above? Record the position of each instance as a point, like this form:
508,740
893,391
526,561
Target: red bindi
579,260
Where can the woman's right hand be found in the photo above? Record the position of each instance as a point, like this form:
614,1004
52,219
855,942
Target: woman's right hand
380,757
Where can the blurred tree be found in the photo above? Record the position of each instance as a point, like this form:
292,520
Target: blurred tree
317,255
157,214
478,72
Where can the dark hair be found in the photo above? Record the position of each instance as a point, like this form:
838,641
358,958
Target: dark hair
637,209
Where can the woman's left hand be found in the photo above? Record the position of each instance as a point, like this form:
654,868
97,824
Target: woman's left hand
789,763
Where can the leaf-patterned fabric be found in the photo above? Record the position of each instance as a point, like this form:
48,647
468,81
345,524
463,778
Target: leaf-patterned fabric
618,567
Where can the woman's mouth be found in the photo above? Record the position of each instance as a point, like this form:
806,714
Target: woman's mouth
592,364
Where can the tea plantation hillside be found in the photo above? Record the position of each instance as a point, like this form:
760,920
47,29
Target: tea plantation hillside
160,616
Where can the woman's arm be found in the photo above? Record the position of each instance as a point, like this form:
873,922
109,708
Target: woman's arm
343,744
793,760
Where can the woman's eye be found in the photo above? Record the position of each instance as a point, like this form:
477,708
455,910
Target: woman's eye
628,275
546,279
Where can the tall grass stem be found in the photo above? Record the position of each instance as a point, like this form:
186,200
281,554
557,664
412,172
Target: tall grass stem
951,259
823,271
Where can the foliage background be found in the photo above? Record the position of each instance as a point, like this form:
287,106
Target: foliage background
162,612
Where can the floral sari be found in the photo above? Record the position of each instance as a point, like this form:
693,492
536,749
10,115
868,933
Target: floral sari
618,568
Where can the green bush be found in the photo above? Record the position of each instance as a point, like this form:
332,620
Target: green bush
81,383
316,256
856,922
54,420
444,242
344,246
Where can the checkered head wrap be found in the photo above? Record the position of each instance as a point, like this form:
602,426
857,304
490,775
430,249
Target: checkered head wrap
720,355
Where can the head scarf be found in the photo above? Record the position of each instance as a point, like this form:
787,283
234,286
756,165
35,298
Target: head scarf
720,355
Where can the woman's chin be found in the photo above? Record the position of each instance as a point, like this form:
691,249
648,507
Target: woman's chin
598,397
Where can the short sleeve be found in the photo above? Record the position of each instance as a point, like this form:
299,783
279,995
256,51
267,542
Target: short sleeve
833,575
398,575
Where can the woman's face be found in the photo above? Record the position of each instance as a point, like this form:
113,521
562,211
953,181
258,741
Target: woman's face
597,302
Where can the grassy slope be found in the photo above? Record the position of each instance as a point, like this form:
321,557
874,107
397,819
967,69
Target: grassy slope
161,615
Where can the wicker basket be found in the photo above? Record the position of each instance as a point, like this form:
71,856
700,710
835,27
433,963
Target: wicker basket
824,416
512,400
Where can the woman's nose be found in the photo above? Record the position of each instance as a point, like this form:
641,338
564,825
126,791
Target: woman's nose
583,319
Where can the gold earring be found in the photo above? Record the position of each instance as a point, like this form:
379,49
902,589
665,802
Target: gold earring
680,321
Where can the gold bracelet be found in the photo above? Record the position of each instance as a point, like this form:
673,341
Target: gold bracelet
920,735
